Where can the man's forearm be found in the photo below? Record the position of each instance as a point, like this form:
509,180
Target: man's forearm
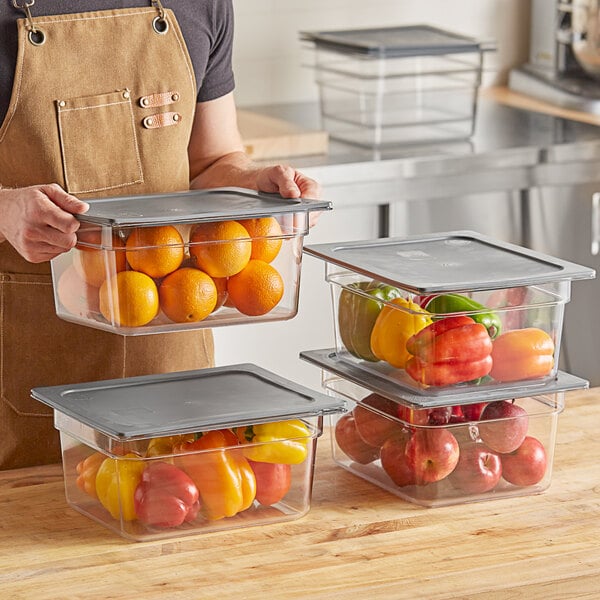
235,169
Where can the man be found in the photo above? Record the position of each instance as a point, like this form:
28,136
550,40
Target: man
134,99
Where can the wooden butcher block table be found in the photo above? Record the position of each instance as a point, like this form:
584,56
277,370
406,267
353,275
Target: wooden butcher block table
357,541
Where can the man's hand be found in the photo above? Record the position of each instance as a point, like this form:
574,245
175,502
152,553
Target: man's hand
38,220
288,182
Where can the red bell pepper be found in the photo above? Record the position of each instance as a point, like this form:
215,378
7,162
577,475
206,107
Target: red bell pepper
166,496
273,481
449,351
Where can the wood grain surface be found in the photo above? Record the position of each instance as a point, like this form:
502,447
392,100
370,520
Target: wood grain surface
267,137
504,95
357,541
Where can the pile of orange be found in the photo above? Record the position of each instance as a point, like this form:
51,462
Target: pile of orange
131,282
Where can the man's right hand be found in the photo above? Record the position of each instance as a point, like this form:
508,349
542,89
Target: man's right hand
38,220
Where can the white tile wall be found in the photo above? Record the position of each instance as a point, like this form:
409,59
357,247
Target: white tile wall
268,54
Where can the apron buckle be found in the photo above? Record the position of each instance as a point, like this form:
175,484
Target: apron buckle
160,23
36,36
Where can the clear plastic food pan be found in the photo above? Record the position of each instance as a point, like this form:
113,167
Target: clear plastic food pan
187,260
189,452
382,87
434,313
468,448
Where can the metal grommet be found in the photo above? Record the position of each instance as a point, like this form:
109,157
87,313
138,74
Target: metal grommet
148,122
62,103
144,102
37,37
175,97
176,117
126,95
160,25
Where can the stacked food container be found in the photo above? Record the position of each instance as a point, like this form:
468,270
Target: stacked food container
396,85
447,350
193,451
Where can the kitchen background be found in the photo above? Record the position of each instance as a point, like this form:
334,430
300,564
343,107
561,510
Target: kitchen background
268,63
268,55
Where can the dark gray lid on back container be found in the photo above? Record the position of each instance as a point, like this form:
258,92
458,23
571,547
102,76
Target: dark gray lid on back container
194,206
186,401
328,361
393,42
450,261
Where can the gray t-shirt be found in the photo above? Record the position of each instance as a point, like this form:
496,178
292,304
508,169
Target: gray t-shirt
207,26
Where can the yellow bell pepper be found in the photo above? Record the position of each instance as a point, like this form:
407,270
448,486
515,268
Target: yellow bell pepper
283,442
223,476
393,327
116,481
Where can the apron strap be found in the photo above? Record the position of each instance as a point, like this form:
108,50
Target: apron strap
37,37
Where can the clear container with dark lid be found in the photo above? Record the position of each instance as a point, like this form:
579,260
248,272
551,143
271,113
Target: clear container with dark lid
184,260
189,452
466,446
437,312
390,86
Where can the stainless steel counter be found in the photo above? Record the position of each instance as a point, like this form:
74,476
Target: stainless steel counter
511,149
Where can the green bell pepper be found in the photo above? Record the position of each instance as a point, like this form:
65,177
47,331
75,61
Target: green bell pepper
457,303
357,314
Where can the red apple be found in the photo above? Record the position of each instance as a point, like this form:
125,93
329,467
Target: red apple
432,454
457,415
394,461
503,426
478,469
527,464
351,444
372,426
440,415
472,412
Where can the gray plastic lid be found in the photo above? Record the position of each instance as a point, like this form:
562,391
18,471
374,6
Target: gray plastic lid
450,261
328,360
186,401
411,40
194,206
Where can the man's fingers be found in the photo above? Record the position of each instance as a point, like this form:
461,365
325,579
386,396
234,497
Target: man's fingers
64,200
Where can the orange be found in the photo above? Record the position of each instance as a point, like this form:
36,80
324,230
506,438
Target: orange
257,289
187,295
266,237
221,283
130,299
95,264
77,297
156,251
221,248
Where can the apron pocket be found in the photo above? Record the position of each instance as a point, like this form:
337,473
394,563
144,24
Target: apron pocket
39,349
85,124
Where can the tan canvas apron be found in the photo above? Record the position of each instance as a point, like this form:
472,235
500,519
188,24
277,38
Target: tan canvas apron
103,107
